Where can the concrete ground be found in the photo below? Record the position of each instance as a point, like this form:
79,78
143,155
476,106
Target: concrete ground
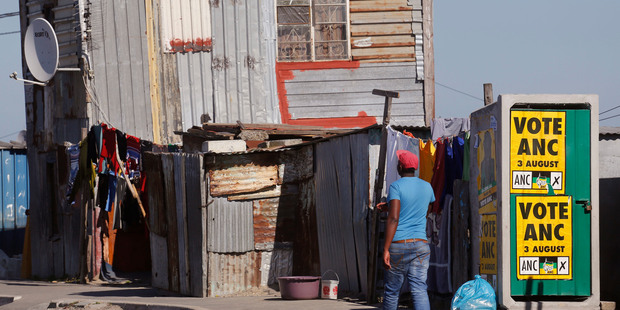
41,295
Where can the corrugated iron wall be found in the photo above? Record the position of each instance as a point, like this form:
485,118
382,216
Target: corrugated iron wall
185,25
341,178
230,226
119,55
241,71
324,93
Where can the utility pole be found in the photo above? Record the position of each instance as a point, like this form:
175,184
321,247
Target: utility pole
488,93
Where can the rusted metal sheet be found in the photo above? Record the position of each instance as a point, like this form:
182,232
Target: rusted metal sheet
230,226
185,25
242,179
233,273
265,220
274,221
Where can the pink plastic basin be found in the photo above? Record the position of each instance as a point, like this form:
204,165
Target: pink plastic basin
299,287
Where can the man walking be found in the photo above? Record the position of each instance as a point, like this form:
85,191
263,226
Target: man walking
406,252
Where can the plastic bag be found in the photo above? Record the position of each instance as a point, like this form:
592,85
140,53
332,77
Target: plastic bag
474,294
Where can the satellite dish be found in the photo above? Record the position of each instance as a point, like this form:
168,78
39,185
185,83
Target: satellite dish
41,49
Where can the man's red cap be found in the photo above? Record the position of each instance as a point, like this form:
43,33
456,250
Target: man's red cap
407,159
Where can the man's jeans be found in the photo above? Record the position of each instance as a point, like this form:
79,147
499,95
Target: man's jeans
408,260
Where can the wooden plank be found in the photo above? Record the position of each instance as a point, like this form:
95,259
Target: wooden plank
369,61
153,65
383,52
429,62
379,5
389,29
339,87
385,17
156,198
171,215
196,220
181,212
382,41
159,262
319,100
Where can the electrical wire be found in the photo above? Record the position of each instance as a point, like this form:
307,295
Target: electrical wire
618,106
602,119
10,32
458,91
9,134
3,15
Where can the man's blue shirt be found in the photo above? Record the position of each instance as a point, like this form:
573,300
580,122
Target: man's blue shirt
415,195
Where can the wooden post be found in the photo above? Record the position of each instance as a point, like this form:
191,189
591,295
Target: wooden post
429,61
374,237
488,93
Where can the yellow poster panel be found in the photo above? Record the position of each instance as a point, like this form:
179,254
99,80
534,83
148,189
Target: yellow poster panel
537,151
544,237
488,244
487,181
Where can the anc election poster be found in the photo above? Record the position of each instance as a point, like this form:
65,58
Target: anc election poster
537,151
487,180
544,237
488,244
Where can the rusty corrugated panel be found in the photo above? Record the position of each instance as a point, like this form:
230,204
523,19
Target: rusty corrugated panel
230,226
265,220
185,25
274,220
233,273
242,179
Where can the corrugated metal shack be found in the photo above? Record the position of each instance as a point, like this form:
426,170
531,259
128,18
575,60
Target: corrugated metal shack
150,68
231,222
15,199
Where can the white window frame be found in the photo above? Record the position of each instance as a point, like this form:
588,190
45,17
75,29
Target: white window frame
312,39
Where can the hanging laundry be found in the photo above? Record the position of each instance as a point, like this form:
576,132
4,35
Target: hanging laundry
439,175
86,171
111,191
397,141
454,162
133,157
440,270
448,127
427,160
107,157
466,157
121,141
74,159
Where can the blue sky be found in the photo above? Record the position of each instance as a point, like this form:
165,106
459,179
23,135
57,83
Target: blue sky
521,47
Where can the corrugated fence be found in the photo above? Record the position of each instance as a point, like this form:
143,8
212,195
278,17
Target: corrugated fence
15,199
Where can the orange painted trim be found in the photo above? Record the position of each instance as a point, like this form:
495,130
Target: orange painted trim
284,72
360,121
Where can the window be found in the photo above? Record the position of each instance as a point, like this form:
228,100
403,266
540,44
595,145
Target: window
310,30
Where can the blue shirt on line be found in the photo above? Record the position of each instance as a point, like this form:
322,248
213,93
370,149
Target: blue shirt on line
415,195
